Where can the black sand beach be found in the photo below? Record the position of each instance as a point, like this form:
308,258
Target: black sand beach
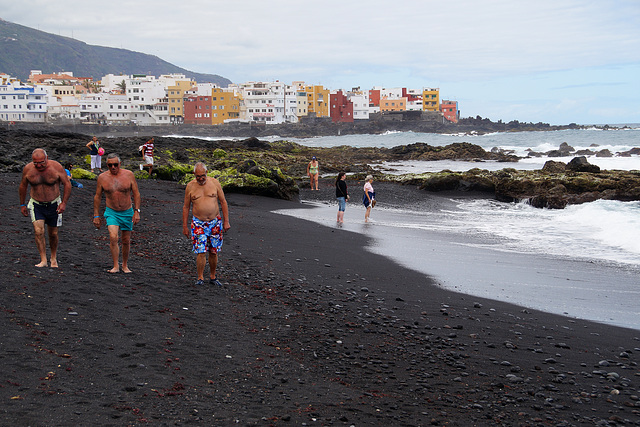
309,329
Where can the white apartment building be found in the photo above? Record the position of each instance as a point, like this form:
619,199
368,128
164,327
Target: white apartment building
96,107
414,104
271,103
148,99
23,103
360,100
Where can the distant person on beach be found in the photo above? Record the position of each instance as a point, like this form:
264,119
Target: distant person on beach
119,186
369,198
96,156
67,168
342,195
147,154
313,172
45,205
205,197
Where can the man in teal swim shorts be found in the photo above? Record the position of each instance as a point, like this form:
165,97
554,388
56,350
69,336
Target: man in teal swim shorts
119,186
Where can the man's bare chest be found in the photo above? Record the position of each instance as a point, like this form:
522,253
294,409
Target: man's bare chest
116,185
36,179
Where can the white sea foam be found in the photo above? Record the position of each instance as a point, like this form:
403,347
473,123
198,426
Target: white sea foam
604,230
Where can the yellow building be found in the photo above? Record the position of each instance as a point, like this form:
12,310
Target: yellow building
317,101
176,99
225,104
430,99
394,104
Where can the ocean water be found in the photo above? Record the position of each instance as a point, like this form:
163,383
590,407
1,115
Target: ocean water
582,261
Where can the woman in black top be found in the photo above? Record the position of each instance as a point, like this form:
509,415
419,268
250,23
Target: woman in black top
342,195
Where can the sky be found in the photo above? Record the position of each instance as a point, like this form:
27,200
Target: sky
550,61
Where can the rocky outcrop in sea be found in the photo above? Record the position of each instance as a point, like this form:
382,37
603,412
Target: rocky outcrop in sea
274,169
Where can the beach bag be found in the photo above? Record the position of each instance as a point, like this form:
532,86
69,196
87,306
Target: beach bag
141,150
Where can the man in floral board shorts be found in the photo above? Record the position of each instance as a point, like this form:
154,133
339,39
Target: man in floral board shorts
204,196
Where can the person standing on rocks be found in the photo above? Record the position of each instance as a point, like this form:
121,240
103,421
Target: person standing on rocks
313,172
205,197
342,195
45,205
369,198
119,186
147,154
96,157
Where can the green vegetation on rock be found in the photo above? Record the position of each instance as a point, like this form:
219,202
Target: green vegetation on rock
79,173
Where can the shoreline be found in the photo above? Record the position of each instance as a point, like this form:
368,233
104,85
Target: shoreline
569,286
309,328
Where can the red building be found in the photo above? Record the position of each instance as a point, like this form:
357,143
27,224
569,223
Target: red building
374,98
340,108
410,97
450,110
197,110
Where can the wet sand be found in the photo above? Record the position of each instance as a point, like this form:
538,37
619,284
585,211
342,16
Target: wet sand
309,329
417,237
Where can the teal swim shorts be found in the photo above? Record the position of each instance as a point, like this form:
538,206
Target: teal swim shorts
123,219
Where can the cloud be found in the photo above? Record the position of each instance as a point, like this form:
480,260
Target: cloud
496,48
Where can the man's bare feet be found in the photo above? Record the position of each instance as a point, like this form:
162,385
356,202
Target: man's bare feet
126,270
42,264
113,270
54,263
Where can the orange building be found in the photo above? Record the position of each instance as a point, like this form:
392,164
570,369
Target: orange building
397,104
176,99
318,101
430,99
224,105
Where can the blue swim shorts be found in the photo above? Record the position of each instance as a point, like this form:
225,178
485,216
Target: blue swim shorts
47,211
123,219
206,236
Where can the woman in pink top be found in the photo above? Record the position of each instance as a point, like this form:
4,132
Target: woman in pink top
369,196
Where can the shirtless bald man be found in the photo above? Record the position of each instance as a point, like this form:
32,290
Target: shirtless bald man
205,196
45,205
118,185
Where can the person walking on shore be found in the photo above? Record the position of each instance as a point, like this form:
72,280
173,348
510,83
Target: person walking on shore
45,205
147,154
369,198
342,195
96,157
205,197
313,172
119,186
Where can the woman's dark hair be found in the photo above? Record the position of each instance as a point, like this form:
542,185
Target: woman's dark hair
340,175
68,165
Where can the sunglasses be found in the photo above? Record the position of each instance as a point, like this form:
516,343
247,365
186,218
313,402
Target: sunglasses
115,165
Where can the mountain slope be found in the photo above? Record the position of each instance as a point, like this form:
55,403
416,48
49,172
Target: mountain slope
23,49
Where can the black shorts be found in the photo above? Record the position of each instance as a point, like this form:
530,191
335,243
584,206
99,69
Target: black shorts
46,211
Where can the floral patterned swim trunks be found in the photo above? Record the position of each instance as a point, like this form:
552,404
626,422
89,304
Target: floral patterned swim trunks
206,236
